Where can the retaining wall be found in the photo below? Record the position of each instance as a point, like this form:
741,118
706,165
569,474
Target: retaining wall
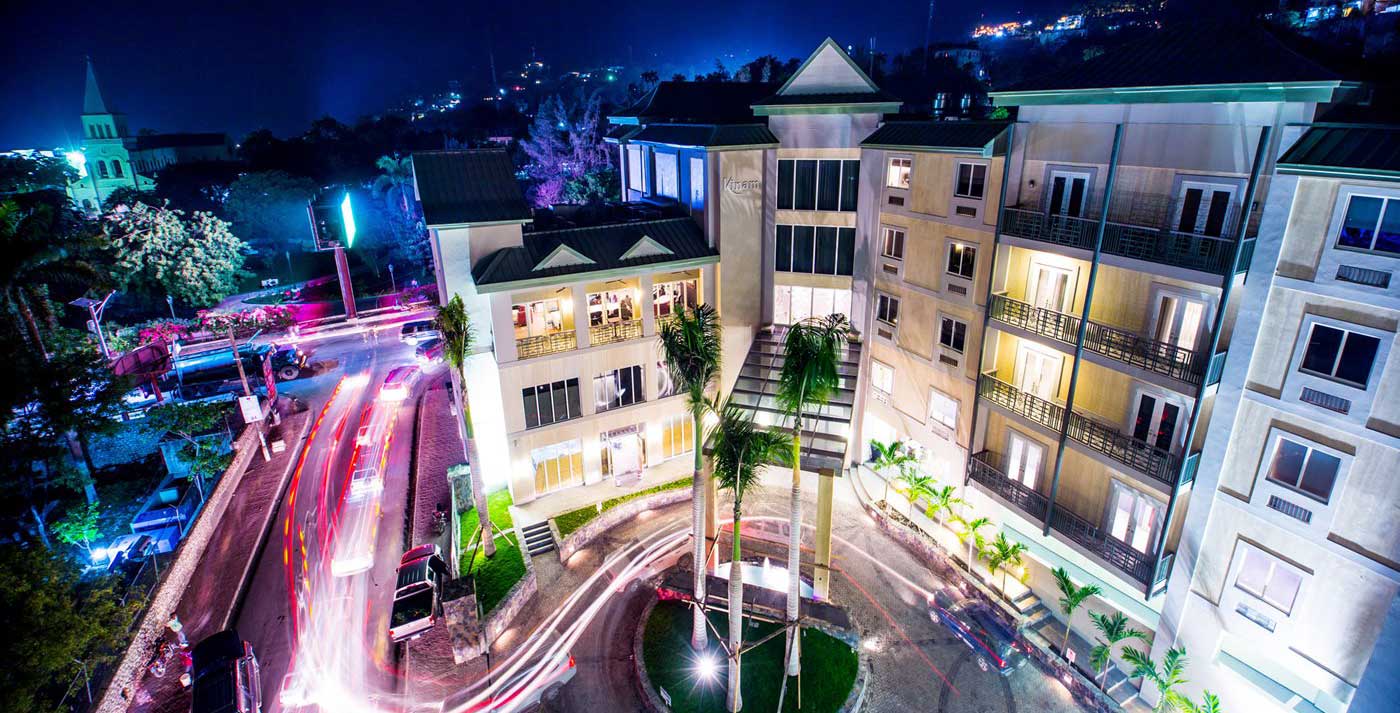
609,519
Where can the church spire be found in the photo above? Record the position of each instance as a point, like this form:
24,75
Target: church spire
92,95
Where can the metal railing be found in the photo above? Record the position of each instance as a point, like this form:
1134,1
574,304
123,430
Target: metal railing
985,468
545,344
1137,565
1046,413
616,332
1120,345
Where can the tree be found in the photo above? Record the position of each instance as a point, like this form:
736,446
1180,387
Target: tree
268,209
24,174
971,537
1114,629
1072,597
916,485
809,377
195,260
1004,554
36,254
740,449
548,151
1209,704
458,342
79,527
940,501
691,347
1165,680
887,456
395,176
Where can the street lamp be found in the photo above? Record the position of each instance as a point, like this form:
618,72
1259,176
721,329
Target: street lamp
393,285
171,302
95,308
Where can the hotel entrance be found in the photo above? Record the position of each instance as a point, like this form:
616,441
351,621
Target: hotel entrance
624,455
794,303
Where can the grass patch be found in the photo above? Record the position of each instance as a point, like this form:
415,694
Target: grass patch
493,576
828,666
574,519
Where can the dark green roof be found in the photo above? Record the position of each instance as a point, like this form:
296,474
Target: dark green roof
829,98
604,245
1349,149
1186,56
936,135
621,132
709,135
696,103
460,187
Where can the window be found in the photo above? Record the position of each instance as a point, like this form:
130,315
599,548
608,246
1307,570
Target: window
952,334
551,403
1303,468
612,307
618,388
535,319
807,184
1268,579
1133,518
893,245
898,174
697,182
962,260
102,169
820,250
1371,223
677,436
882,378
557,466
966,102
117,168
887,310
1340,354
667,298
665,383
940,102
667,178
972,180
635,180
943,409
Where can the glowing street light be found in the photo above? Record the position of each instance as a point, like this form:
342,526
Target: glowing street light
706,667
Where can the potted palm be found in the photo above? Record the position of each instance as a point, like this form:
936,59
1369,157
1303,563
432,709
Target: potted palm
941,501
1072,596
1165,679
1004,554
972,538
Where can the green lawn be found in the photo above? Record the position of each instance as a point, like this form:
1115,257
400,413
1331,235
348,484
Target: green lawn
495,576
828,666
574,519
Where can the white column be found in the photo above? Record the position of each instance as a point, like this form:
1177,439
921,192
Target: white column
648,307
580,297
709,285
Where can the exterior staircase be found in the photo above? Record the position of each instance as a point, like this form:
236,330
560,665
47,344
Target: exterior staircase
827,430
538,538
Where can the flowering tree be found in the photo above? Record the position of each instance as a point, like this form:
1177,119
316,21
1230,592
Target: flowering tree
195,259
568,160
168,331
248,320
548,151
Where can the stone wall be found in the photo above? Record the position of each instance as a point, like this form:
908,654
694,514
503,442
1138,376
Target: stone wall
580,538
499,620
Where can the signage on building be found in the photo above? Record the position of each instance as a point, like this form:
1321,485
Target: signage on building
739,188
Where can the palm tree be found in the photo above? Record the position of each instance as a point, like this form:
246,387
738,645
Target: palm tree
1072,596
1003,554
1165,679
457,340
1209,704
940,501
916,485
740,449
690,346
31,259
889,455
971,537
809,377
1114,629
396,175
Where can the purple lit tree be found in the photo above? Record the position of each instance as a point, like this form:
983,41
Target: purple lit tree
569,163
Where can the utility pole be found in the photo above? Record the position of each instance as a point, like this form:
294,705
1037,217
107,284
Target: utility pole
247,391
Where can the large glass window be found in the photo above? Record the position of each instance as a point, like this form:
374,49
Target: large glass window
785,173
952,334
962,260
804,239
1340,354
882,378
887,310
850,185
697,182
1303,468
551,403
635,180
667,298
665,383
825,257
612,307
1371,223
677,436
784,250
972,181
943,409
1268,579
829,185
618,388
820,250
805,184
534,319
667,176
897,176
558,466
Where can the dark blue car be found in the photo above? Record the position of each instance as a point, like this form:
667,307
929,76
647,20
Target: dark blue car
993,641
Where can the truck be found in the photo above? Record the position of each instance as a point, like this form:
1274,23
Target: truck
416,593
213,373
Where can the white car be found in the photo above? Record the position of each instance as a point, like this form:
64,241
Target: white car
398,383
365,481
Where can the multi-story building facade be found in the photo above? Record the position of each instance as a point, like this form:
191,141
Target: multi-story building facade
1131,207
1286,596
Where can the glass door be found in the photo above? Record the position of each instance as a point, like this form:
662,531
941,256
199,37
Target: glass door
1204,208
1180,320
1023,459
1157,420
1133,518
1039,372
1068,190
1048,288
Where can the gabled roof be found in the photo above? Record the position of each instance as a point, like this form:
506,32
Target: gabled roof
1203,62
705,135
93,103
828,81
696,103
610,248
468,187
1352,150
952,136
162,141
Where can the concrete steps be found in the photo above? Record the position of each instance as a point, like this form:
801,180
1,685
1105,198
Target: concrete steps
538,538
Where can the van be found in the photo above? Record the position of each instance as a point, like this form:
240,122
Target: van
226,677
418,332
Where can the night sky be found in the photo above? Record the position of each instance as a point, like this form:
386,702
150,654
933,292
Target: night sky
191,66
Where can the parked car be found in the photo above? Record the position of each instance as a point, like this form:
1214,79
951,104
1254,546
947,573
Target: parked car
398,383
429,352
509,700
419,332
226,677
416,606
127,552
995,642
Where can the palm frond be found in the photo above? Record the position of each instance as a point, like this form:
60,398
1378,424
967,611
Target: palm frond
741,449
454,324
1143,666
691,348
809,375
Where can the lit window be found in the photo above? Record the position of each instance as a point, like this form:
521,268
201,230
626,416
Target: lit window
1268,579
677,436
962,260
635,180
881,377
1340,354
972,180
899,171
819,250
1304,468
887,310
665,383
893,246
1371,224
943,409
667,179
558,466
952,334
618,388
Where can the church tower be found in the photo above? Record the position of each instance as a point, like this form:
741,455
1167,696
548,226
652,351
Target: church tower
106,151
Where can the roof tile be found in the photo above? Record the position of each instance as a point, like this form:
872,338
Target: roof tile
476,186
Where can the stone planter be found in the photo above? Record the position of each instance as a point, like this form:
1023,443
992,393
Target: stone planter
580,538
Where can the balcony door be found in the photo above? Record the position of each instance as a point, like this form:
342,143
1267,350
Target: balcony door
1180,320
1204,207
1156,420
1038,372
1048,287
1132,518
1068,191
1024,458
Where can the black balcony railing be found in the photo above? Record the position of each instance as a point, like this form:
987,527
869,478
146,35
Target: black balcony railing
1120,345
1046,413
616,332
544,344
985,468
1135,564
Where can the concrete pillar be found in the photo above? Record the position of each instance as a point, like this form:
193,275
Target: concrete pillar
647,306
580,299
709,286
821,571
711,514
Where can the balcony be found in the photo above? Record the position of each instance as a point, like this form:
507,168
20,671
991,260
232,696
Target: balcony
1168,360
545,344
985,468
615,332
1099,437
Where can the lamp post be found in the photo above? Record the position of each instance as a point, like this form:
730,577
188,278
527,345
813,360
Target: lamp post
95,309
393,284
171,302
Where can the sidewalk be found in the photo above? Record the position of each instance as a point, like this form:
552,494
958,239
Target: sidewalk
214,589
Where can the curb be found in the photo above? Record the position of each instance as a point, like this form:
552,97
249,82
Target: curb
639,666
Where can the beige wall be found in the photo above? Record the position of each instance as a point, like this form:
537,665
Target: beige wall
740,241
1305,236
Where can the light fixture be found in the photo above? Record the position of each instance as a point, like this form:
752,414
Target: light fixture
706,667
